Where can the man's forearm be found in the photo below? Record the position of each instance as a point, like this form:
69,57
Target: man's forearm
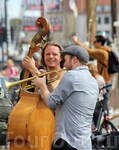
45,92
34,71
78,43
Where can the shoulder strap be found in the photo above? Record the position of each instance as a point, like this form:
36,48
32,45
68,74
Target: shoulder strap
101,69
103,64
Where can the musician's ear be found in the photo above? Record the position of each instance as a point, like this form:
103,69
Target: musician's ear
61,57
74,59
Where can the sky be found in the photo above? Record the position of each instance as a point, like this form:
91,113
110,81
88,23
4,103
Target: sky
14,7
14,10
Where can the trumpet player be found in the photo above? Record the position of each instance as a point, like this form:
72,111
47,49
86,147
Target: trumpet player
74,99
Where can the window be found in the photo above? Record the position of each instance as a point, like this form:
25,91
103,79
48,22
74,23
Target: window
106,20
106,8
98,8
107,33
99,33
99,20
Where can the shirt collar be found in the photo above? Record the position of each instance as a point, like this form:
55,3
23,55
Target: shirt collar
81,67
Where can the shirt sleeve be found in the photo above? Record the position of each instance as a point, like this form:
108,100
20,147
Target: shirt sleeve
101,55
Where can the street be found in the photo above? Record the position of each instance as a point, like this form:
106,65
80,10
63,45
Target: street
115,121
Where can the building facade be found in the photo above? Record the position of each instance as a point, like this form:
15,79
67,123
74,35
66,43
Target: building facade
103,18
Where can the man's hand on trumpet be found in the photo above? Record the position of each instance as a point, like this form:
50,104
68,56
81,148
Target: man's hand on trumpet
38,82
41,83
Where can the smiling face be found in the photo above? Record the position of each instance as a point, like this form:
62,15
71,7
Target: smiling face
52,57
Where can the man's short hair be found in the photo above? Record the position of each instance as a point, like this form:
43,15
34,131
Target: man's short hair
101,39
43,51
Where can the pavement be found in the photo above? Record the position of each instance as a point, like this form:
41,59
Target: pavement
114,114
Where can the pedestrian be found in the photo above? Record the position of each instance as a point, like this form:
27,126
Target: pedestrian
10,71
74,99
101,83
100,53
37,58
50,59
100,80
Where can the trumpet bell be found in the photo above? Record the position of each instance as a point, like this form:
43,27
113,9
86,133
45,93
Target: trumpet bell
9,85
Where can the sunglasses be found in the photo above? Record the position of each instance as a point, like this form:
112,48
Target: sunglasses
95,42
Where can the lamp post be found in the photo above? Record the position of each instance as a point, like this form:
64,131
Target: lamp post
91,20
4,38
3,33
113,16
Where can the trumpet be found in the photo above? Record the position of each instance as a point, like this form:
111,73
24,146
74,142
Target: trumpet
9,85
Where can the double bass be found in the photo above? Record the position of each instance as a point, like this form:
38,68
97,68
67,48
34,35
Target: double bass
31,122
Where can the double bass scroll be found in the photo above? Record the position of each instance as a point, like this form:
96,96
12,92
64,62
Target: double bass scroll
43,25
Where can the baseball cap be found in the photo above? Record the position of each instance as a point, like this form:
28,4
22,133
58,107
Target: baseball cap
78,51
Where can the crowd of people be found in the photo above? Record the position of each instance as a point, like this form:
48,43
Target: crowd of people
72,97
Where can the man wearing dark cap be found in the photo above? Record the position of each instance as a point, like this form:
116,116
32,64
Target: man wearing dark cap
74,99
